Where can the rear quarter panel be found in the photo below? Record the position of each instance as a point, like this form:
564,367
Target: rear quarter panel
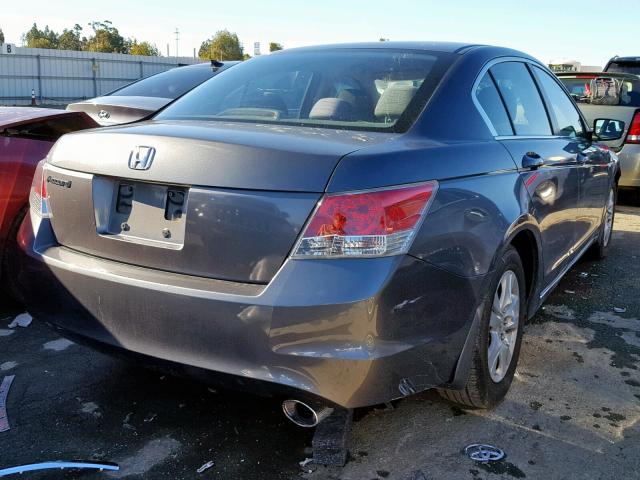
479,201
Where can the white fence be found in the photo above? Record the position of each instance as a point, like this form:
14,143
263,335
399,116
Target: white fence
58,77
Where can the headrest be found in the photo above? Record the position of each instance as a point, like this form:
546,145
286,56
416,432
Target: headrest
394,100
331,109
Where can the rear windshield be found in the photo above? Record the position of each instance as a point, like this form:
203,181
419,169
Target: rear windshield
582,89
624,67
362,89
169,84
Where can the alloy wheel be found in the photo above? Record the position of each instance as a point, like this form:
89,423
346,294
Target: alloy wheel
608,219
503,325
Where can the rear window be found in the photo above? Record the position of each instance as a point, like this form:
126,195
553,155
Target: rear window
624,67
362,89
582,89
169,84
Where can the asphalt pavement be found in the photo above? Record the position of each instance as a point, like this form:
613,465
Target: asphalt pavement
572,411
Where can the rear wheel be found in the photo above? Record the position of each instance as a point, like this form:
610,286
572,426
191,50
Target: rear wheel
497,347
601,247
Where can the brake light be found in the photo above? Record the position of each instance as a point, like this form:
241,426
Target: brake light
634,130
39,199
366,224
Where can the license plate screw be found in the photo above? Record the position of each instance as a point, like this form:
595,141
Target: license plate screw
166,233
125,227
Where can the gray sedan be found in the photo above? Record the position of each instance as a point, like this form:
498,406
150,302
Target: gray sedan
340,226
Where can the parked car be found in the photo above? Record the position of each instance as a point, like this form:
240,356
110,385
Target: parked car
615,96
26,135
623,65
144,97
346,225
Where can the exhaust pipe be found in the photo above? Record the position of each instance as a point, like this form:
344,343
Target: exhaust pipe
303,414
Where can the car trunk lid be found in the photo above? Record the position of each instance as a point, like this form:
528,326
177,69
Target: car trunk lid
115,110
221,201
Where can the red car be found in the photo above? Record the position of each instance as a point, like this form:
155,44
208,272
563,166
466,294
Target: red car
26,136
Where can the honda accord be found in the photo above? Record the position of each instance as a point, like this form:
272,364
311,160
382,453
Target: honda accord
342,225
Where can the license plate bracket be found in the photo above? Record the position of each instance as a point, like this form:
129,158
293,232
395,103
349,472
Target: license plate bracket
139,212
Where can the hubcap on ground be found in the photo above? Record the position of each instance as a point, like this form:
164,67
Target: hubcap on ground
503,325
608,219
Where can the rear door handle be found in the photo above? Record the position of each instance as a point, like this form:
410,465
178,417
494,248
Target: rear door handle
532,161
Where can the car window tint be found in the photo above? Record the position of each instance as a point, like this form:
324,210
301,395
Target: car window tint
522,99
363,89
624,67
567,118
489,99
169,84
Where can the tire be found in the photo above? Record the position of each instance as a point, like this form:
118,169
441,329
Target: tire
9,264
487,387
600,249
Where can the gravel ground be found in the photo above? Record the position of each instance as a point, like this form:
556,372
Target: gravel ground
572,411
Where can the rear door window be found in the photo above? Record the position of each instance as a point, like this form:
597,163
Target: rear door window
567,122
522,99
489,99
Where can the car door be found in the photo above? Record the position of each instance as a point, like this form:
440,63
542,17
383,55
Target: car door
548,163
594,176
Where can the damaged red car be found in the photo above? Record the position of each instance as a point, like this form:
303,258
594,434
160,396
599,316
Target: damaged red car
26,136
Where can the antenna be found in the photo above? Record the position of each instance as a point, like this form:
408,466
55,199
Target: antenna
177,32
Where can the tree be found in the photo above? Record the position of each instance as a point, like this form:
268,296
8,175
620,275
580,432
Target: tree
1,36
143,48
246,56
224,45
70,39
274,47
36,38
106,38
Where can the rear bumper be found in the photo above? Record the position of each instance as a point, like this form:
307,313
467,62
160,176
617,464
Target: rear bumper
352,332
629,158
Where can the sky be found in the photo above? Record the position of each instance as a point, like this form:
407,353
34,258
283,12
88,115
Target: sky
547,29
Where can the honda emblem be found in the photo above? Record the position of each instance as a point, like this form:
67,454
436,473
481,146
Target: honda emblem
140,158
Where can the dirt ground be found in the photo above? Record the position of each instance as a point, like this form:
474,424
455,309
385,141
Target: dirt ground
572,411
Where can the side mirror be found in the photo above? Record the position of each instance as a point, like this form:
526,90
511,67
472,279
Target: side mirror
607,129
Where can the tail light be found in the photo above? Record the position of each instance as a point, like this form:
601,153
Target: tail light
39,199
634,130
372,223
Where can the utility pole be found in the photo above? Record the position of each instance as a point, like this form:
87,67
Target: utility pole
177,32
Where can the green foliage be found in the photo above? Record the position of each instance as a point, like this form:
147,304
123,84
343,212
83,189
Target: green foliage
224,45
274,47
246,56
1,36
143,48
106,38
36,38
71,40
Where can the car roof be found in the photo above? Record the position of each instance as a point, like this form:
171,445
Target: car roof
624,59
225,63
449,47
